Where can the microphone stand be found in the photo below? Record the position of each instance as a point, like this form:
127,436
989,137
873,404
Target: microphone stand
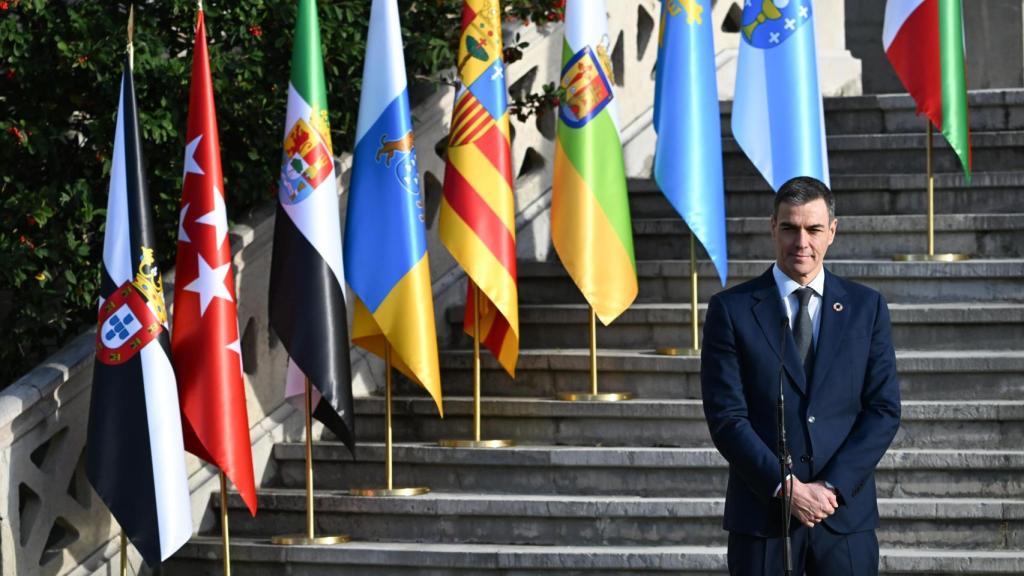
785,462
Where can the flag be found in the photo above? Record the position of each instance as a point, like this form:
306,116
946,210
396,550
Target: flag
777,115
688,158
136,458
478,214
924,40
385,239
205,327
307,275
590,223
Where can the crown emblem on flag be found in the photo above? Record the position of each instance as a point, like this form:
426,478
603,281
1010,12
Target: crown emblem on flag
587,86
150,284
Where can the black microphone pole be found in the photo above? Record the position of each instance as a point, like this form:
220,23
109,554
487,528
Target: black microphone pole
785,463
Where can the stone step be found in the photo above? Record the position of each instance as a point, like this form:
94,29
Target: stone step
876,236
899,154
995,280
924,375
569,520
647,472
1001,109
257,557
966,326
663,422
860,195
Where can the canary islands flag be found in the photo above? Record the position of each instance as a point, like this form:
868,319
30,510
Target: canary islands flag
777,115
688,159
590,223
385,240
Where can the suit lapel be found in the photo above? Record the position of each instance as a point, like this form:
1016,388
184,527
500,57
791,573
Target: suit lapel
769,314
833,325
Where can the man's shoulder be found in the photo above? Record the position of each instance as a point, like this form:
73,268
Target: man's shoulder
745,290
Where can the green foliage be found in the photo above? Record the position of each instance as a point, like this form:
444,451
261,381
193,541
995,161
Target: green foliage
60,67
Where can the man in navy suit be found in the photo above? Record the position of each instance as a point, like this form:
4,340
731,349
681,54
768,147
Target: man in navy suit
841,395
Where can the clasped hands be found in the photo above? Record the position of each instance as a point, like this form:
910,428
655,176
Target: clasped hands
812,502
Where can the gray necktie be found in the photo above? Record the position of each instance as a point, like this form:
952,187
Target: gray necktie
803,331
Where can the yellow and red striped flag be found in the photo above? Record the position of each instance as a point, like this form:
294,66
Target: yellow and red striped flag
477,210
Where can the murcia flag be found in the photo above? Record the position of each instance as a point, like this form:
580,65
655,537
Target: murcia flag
205,328
385,236
307,278
777,115
924,41
136,460
591,227
478,213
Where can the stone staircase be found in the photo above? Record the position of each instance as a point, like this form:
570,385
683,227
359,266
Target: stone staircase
636,487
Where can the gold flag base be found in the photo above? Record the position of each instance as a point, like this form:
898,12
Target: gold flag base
676,351
304,540
946,257
454,443
603,397
388,492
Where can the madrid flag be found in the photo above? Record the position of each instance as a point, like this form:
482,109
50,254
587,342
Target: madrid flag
205,328
924,41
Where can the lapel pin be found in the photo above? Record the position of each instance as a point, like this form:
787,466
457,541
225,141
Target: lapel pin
838,306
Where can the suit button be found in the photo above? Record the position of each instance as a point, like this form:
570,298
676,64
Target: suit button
810,419
805,459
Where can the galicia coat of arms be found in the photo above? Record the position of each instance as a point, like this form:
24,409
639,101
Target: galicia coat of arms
307,163
587,88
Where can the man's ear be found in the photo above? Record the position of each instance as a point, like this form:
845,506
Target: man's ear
833,226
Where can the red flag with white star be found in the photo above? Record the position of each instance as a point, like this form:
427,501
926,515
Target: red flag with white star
204,336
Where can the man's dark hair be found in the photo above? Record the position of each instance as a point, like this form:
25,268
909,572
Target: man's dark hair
801,190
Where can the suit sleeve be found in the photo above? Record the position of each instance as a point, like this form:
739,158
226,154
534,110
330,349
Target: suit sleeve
725,406
879,418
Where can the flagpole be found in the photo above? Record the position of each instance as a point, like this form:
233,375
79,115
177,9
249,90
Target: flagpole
224,531
476,442
931,256
389,490
594,395
694,349
309,537
124,554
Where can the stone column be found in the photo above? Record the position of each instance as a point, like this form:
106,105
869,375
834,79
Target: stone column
839,73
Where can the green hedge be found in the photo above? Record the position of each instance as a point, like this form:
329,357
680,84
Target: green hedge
60,64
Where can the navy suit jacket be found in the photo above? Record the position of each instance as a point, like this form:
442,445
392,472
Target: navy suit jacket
838,425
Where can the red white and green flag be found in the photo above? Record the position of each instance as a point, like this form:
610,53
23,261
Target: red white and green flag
924,40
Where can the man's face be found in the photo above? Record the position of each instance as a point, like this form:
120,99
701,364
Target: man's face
802,235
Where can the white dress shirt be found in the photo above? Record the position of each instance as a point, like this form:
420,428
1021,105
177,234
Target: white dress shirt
791,302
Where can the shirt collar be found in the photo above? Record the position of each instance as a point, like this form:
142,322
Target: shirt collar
787,285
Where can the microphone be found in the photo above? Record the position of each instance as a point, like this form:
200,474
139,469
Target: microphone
785,462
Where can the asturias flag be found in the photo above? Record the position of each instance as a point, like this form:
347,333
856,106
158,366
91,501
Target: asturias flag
477,211
136,457
307,276
688,159
205,328
777,115
591,227
924,40
385,238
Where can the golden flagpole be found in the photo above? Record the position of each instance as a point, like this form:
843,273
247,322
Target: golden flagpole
224,531
694,349
309,537
594,395
476,442
124,554
389,491
931,256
